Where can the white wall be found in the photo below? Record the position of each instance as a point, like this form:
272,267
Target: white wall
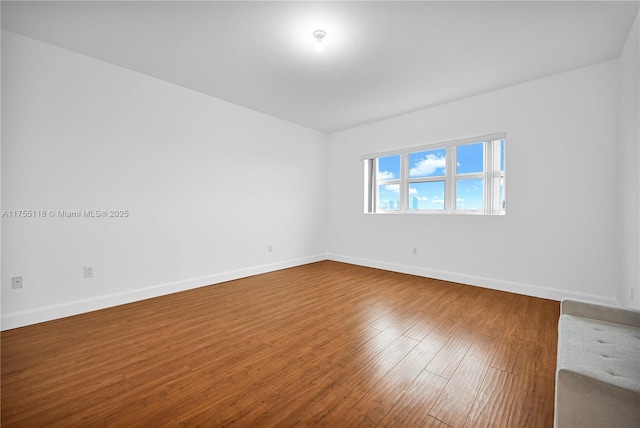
629,135
557,238
208,185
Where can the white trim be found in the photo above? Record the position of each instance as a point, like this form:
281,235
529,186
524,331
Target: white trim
440,145
491,177
404,172
48,313
450,182
473,280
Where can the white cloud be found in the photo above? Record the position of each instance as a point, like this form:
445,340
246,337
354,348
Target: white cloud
421,198
392,187
413,191
385,175
437,201
459,200
428,165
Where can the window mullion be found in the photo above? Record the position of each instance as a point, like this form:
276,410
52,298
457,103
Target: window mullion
502,180
470,175
450,179
488,172
497,174
404,182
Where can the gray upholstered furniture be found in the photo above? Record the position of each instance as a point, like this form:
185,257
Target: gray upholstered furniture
598,371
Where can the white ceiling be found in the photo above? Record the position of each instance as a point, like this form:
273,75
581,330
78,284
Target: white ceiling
381,58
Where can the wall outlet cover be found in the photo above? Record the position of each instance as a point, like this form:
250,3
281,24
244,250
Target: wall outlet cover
16,282
88,271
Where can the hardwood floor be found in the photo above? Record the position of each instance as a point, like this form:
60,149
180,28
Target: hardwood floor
325,344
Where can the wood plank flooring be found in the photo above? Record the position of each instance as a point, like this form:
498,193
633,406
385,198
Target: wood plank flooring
325,344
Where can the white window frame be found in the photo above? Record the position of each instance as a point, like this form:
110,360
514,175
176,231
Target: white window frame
492,176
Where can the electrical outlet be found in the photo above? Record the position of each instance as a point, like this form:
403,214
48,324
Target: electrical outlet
271,248
415,251
88,271
16,282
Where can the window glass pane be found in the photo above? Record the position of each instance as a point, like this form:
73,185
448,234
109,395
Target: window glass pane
470,158
389,168
389,197
501,155
430,163
426,196
469,194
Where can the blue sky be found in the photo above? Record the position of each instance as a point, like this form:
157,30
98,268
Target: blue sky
431,163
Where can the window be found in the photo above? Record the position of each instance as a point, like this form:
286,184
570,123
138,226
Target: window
458,177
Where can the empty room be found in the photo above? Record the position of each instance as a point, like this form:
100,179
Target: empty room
301,214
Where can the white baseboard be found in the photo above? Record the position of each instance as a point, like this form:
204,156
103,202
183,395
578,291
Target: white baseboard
494,284
23,318
48,313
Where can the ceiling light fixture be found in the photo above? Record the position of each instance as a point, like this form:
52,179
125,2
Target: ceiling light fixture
319,35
